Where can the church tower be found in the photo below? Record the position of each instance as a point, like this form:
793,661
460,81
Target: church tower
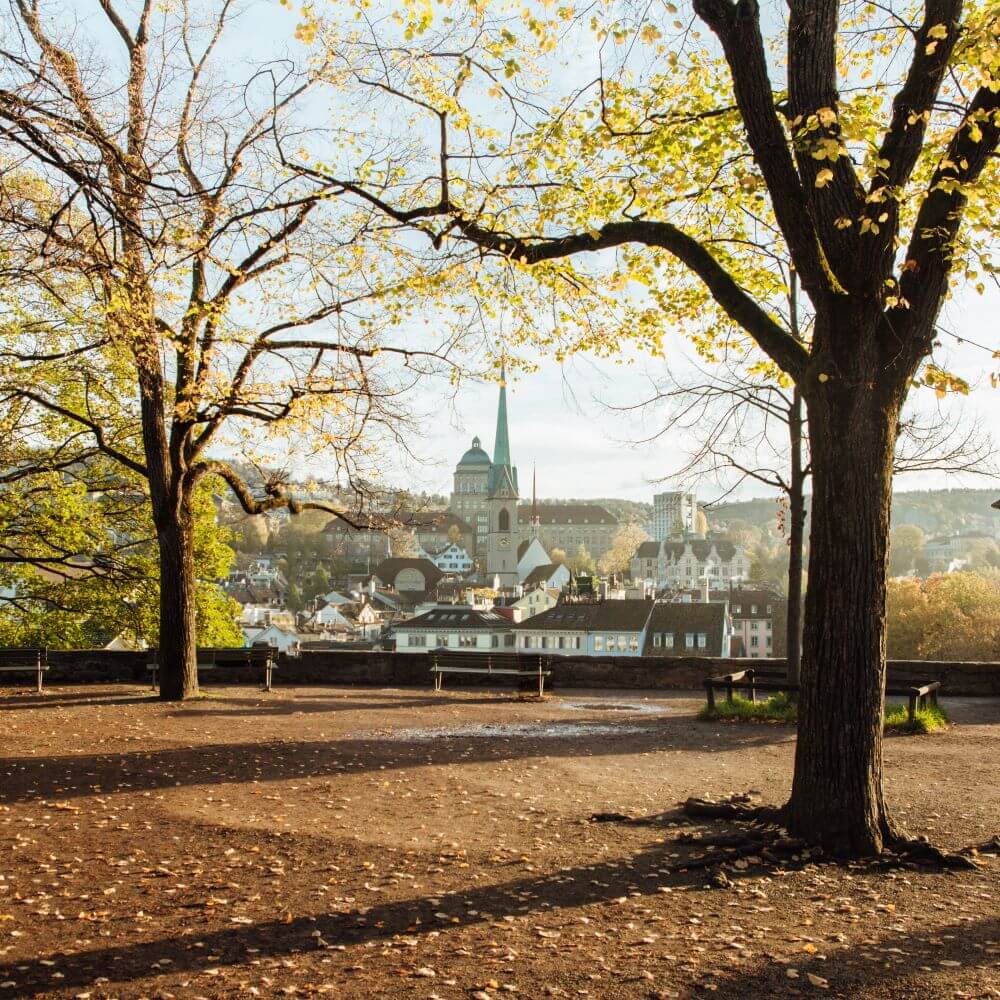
501,551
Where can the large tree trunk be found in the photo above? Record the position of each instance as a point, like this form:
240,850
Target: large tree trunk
178,649
796,534
837,789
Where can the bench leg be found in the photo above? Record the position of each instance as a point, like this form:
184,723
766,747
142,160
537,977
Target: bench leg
710,695
152,683
541,683
912,709
267,678
437,682
39,680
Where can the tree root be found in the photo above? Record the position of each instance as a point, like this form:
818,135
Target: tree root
923,852
736,808
767,839
762,837
991,846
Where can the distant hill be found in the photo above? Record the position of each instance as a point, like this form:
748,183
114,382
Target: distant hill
937,512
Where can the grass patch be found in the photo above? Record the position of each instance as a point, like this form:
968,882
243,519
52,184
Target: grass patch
780,708
927,720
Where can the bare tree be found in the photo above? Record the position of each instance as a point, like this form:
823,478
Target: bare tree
176,292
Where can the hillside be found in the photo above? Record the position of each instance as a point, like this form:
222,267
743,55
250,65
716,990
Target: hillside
935,511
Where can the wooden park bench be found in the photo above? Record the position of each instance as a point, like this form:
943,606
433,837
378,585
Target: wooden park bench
751,681
24,660
499,664
223,659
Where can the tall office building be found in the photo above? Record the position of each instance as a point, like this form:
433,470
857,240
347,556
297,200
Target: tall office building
675,515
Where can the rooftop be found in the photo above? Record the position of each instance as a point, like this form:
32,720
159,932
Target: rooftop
567,513
455,616
627,615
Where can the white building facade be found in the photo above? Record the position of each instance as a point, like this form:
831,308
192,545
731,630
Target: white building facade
687,564
457,628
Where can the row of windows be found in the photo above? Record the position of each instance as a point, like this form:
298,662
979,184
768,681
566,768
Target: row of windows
550,642
456,641
619,643
692,640
464,641
738,609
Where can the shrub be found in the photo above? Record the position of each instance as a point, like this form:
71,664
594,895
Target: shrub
780,708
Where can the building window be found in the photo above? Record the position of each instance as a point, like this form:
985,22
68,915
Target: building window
418,640
468,641
442,640
657,640
598,643
668,640
754,641
689,640
702,640
503,521
633,644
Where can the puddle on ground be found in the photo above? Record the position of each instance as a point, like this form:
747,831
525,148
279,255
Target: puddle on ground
616,706
515,730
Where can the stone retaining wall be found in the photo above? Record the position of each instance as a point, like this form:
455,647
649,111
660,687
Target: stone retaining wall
411,670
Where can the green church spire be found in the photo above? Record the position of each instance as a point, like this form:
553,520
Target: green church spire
501,447
502,467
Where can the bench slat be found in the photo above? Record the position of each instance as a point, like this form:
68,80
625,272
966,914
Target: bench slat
225,658
487,664
25,660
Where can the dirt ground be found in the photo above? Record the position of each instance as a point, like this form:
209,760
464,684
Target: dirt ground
388,843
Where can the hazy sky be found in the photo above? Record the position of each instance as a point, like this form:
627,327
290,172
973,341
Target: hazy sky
559,418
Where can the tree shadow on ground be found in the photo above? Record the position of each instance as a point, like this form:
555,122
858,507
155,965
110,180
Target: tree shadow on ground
23,779
906,962
601,882
218,707
54,700
642,874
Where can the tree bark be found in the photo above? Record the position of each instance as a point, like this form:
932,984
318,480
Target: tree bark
796,534
837,798
178,635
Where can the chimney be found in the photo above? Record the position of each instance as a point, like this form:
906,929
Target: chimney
704,590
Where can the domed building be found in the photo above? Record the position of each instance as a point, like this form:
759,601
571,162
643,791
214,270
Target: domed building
471,492
485,495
